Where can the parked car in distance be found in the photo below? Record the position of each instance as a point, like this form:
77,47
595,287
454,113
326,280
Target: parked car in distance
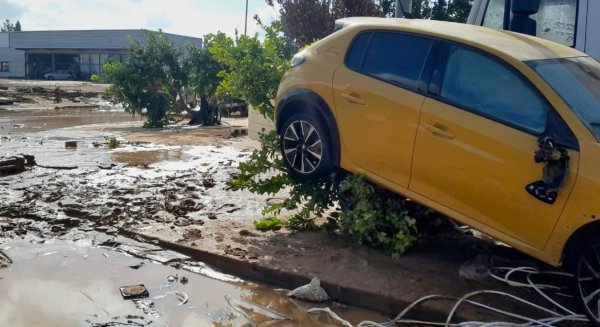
451,116
59,75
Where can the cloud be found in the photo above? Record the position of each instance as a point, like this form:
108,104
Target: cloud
186,17
11,11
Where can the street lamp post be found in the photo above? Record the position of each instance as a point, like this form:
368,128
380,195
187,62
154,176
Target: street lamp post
246,19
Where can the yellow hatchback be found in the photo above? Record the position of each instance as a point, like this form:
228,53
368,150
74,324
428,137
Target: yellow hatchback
497,130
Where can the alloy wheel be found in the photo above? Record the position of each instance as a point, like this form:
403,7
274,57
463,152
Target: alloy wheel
302,147
588,281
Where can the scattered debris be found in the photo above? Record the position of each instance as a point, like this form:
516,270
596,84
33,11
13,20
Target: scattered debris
71,145
310,292
5,260
209,183
134,292
96,303
6,101
138,266
16,163
237,304
181,296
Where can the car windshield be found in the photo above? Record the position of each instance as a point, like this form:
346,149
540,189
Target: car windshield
577,81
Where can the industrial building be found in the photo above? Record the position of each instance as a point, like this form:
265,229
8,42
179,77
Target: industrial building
32,54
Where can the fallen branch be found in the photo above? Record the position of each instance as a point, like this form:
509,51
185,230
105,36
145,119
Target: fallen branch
59,167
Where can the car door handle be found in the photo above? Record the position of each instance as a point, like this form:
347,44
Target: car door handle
354,98
439,130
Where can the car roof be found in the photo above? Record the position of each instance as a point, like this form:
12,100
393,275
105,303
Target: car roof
519,46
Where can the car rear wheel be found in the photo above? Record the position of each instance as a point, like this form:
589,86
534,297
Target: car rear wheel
306,147
587,276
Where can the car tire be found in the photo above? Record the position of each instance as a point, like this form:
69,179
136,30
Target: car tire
587,279
306,147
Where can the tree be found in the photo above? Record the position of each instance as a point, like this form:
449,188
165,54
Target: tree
153,81
203,79
305,21
439,11
8,26
459,10
254,67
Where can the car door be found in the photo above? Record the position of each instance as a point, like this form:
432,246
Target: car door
475,145
378,101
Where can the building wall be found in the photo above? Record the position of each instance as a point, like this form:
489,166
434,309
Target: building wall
13,45
93,39
16,59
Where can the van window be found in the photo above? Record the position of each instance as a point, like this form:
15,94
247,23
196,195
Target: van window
395,58
494,14
556,21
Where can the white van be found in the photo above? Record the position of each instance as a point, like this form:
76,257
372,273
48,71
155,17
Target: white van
575,23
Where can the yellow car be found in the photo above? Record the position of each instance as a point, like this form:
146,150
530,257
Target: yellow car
495,129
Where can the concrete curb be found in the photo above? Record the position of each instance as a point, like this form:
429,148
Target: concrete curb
289,280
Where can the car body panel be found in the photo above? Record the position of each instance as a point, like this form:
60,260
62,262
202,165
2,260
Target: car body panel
482,171
388,121
536,228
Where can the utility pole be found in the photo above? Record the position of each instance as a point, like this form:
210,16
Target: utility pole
246,20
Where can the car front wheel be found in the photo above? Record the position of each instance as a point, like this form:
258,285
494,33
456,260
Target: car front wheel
588,280
306,147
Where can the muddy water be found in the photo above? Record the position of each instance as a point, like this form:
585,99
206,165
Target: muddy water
42,134
73,283
26,121
68,283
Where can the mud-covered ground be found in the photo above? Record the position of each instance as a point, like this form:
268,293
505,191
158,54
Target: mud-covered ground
171,185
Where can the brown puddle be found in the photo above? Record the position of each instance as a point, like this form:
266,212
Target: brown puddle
35,120
62,284
145,157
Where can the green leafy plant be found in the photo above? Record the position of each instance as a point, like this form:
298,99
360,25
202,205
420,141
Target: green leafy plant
113,143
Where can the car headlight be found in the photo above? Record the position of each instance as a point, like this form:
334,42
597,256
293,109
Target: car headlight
298,59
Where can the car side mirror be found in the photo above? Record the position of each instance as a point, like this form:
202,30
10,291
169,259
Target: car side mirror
520,21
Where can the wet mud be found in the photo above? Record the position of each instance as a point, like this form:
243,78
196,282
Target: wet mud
76,282
60,229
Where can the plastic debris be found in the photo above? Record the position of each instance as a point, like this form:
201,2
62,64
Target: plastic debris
310,292
5,258
237,304
138,266
181,296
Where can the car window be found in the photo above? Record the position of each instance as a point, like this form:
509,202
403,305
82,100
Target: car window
392,57
577,81
481,84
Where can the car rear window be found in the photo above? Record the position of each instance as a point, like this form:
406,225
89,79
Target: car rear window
392,57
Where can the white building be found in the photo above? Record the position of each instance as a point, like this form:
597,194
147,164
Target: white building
32,54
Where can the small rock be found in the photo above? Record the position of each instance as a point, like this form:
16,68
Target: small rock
208,183
310,292
212,216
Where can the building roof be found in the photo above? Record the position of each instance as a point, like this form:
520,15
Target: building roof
520,46
87,39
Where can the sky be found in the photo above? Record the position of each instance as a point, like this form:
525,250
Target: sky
186,17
